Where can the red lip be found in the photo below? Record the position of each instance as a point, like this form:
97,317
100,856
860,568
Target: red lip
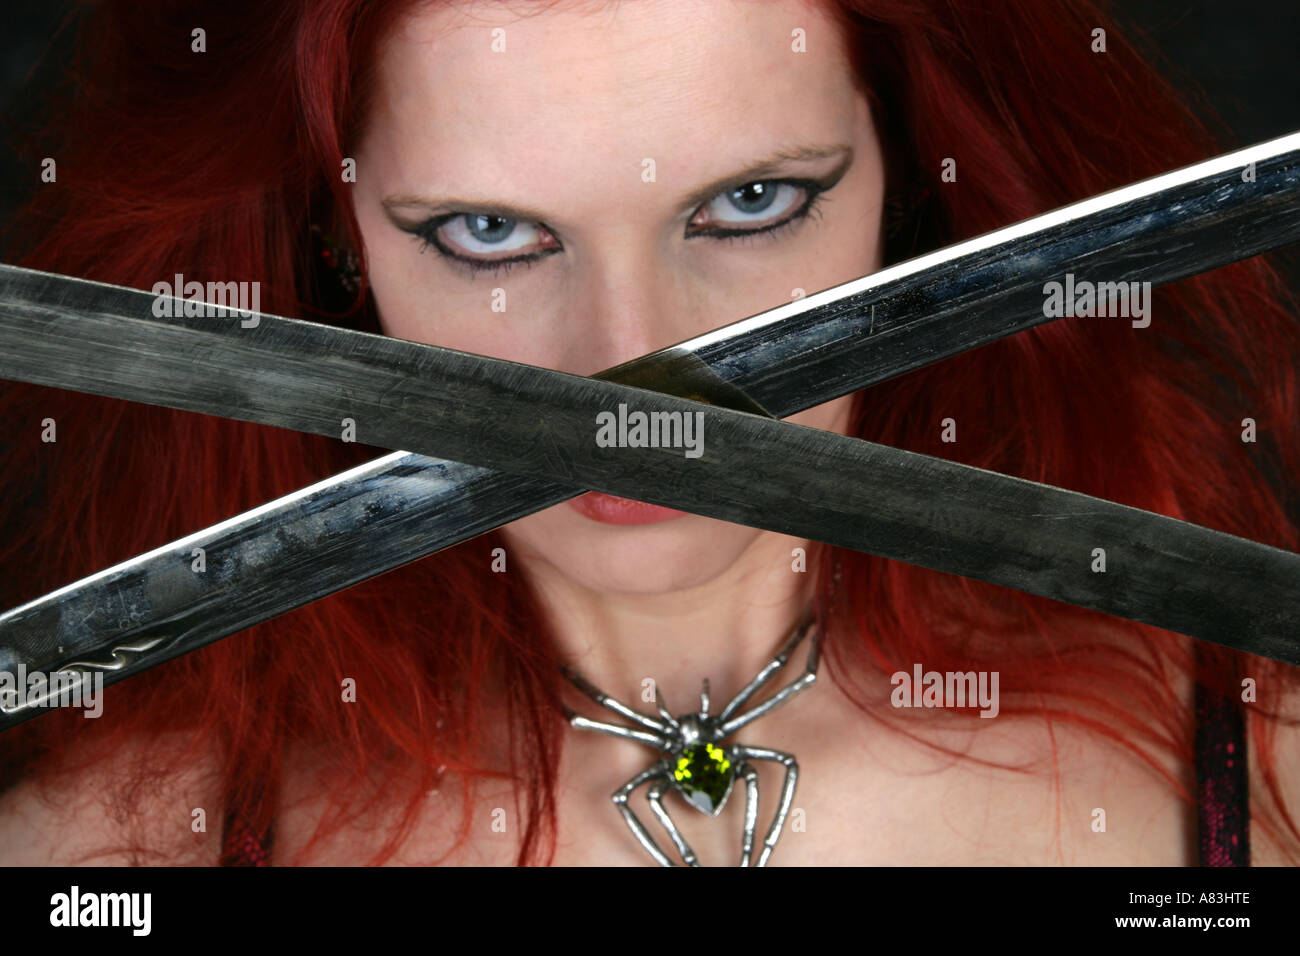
609,509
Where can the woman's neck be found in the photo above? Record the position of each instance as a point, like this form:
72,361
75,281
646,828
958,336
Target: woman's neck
725,629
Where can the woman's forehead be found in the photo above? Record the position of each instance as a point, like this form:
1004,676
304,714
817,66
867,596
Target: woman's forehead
699,86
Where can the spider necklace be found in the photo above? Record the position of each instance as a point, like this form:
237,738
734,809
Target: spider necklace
698,764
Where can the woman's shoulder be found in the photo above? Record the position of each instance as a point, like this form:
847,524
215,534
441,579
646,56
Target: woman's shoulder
153,802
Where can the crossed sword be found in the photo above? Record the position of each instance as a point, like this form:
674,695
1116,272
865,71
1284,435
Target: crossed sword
530,432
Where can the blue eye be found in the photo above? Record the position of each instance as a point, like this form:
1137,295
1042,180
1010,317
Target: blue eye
468,239
768,205
754,197
489,228
471,232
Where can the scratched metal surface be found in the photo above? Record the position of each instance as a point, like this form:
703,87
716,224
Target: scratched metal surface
396,509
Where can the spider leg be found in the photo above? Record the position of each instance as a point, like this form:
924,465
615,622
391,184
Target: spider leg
767,673
655,796
729,724
600,697
751,812
787,792
658,771
669,719
614,730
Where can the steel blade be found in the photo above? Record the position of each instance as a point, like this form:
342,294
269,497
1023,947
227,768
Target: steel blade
793,356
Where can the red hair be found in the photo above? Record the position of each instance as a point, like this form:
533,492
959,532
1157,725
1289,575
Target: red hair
215,165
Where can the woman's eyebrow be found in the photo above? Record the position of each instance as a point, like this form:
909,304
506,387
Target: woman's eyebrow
770,166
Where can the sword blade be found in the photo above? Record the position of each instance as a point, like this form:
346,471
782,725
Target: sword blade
788,358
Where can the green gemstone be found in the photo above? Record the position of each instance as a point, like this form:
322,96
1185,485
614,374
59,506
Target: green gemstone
704,776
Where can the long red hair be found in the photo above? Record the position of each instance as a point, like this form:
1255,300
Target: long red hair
214,165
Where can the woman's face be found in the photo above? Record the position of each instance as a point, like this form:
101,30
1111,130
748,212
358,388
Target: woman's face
579,186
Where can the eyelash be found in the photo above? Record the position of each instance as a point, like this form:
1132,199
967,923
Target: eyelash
426,233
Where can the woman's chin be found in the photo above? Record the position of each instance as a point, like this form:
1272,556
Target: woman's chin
614,546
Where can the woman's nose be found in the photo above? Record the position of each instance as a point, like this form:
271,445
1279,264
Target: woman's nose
621,313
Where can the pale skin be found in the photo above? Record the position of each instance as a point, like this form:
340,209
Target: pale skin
558,126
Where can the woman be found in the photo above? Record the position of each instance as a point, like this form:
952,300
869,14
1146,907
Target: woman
624,176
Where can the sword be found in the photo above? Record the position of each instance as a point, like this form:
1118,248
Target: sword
820,351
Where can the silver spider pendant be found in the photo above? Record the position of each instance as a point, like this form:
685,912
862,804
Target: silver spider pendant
698,763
